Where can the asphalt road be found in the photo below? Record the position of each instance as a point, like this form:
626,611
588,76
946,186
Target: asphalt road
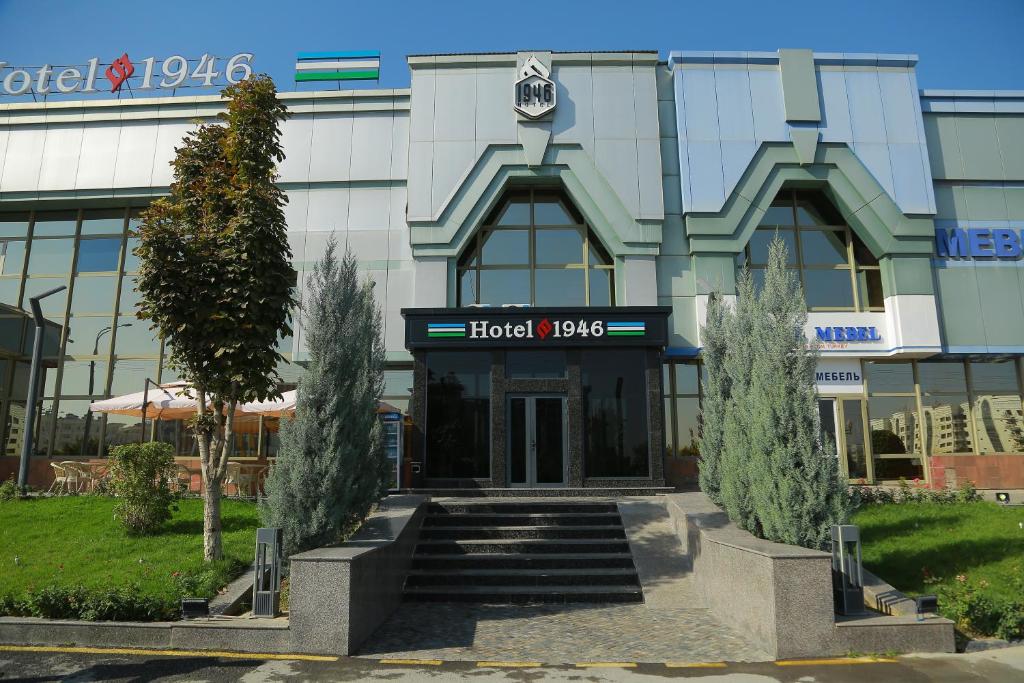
998,666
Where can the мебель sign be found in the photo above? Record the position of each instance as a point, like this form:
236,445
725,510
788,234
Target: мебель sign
998,243
150,73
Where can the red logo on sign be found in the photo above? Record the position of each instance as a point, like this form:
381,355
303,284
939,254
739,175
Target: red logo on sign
544,328
119,71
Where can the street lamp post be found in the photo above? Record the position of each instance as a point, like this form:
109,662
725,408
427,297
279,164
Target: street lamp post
92,381
33,384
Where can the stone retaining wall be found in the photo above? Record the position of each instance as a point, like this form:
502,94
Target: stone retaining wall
780,596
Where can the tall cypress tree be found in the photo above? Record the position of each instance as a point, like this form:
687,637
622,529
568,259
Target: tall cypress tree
796,488
331,466
715,398
738,332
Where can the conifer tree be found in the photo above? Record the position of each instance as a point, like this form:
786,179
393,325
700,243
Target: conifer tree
331,466
715,398
734,466
796,489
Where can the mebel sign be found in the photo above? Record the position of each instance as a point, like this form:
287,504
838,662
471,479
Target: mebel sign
995,243
847,334
173,72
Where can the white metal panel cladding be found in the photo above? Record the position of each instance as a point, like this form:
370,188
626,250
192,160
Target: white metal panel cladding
135,150
61,152
24,158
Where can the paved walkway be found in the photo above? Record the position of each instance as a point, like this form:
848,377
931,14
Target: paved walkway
671,624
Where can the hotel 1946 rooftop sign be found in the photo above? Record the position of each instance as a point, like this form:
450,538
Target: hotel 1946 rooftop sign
150,73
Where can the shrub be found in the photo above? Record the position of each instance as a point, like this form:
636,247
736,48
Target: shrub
976,611
8,490
140,476
122,603
914,492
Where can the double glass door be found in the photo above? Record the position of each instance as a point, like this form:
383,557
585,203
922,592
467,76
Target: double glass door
537,439
842,424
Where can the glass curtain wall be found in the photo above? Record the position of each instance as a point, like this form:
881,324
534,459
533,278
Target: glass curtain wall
458,432
105,350
837,270
616,441
535,249
681,382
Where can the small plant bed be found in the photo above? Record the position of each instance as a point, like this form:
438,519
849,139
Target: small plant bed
68,558
970,554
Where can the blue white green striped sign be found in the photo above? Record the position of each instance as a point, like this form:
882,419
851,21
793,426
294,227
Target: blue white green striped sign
446,330
353,65
619,329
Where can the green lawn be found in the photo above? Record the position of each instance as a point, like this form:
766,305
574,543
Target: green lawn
907,542
76,541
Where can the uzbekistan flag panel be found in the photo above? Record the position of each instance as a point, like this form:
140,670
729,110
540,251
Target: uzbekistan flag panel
358,65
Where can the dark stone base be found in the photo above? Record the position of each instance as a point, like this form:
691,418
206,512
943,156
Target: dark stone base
637,490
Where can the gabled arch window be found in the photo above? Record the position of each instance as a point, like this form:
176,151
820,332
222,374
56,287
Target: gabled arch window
536,249
837,270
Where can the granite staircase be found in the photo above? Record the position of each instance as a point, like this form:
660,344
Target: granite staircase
523,553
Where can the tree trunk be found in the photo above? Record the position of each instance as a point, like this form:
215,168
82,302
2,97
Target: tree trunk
212,547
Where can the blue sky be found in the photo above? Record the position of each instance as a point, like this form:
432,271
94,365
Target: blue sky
962,44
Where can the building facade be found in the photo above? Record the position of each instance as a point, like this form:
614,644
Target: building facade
544,230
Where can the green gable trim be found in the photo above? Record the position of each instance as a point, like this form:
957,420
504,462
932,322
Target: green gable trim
799,85
837,171
501,165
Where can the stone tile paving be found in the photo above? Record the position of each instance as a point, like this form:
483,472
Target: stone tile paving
671,625
557,634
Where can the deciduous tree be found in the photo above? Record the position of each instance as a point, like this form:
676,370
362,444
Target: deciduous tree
215,272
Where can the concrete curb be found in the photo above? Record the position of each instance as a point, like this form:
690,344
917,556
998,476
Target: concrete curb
229,603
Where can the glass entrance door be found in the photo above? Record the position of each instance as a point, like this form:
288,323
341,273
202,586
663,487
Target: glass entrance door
537,441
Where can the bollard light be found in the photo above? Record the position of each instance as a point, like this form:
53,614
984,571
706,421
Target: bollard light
266,589
927,604
847,573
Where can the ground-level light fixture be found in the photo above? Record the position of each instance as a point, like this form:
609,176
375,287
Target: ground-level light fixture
1003,497
33,384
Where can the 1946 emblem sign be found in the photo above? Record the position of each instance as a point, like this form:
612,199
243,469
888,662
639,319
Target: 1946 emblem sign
535,92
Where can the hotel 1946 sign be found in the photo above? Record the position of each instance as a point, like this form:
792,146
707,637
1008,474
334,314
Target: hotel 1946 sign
150,73
535,95
523,327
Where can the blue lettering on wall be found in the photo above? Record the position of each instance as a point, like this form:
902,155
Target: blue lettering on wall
984,243
847,334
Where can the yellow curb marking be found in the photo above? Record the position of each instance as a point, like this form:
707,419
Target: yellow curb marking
605,665
413,662
836,661
521,665
164,653
696,665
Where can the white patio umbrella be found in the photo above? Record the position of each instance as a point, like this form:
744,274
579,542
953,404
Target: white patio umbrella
172,401
281,407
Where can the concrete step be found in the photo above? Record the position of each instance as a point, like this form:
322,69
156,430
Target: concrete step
559,545
504,561
524,577
518,507
525,594
606,531
521,519
542,492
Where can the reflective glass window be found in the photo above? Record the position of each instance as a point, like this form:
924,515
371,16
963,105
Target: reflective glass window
889,377
77,430
687,428
516,212
869,288
129,296
131,261
458,429
94,294
762,238
550,211
615,413
12,257
994,376
499,287
778,215
600,286
50,256
53,305
103,222
936,377
88,336
894,427
998,423
828,289
99,255
559,246
130,375
13,224
506,247
49,223
947,423
9,288
85,378
123,429
11,329
823,247
561,287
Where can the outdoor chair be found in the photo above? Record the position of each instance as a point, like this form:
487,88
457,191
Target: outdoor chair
182,478
75,476
60,479
95,474
232,477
